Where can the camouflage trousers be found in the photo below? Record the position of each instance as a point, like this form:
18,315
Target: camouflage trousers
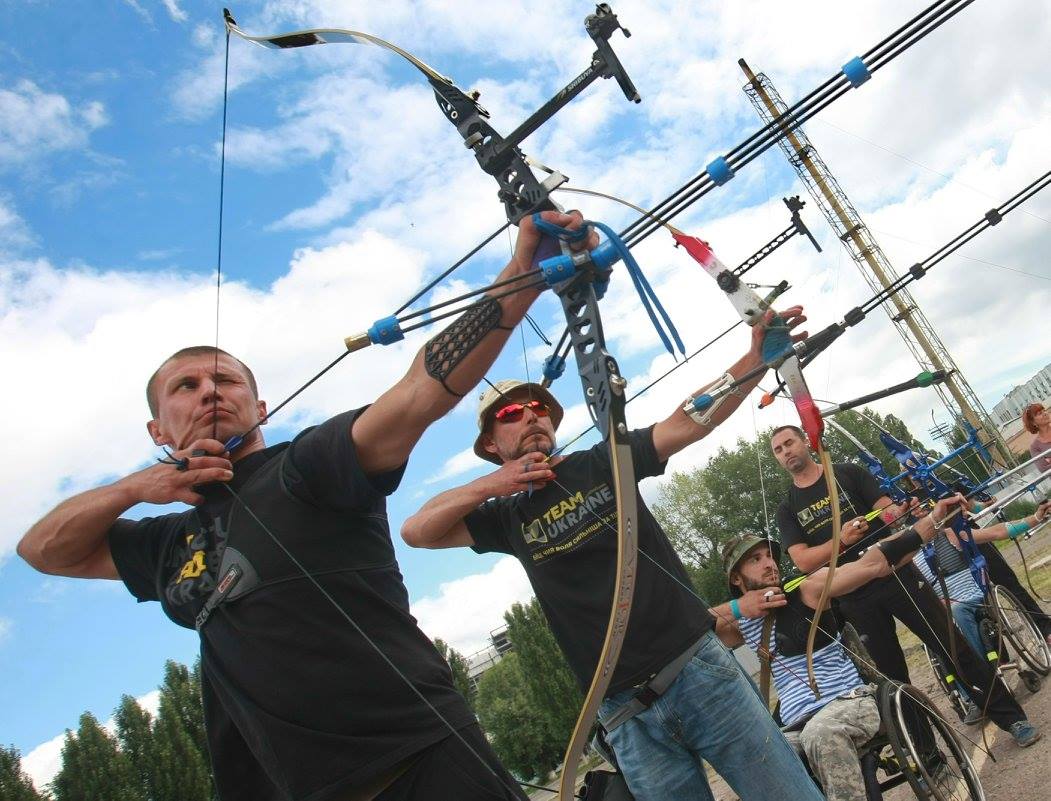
830,740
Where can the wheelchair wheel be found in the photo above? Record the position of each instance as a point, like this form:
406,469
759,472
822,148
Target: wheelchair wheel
941,675
1019,630
926,747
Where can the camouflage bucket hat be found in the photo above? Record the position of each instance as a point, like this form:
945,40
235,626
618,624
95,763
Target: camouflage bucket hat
735,551
497,395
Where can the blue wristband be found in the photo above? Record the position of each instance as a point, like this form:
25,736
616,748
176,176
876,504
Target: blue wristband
1016,530
977,508
735,610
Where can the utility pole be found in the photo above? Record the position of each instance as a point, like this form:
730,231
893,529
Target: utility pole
919,335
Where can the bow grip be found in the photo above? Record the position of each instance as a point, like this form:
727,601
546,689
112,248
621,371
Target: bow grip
557,269
777,342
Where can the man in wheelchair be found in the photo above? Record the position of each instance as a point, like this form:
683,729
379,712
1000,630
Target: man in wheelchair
948,564
829,726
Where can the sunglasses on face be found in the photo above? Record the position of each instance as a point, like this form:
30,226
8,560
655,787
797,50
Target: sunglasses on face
512,412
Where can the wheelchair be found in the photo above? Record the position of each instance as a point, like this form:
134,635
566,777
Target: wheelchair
915,745
1032,658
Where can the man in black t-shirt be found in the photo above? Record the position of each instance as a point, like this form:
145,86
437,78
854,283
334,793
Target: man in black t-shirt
557,516
317,683
804,519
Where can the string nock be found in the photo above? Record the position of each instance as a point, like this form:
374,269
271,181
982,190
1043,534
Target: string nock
386,331
766,400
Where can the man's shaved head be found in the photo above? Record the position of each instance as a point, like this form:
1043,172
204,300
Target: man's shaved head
194,350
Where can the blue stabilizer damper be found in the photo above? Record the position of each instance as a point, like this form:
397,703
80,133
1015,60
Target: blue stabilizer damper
554,366
856,71
720,171
386,331
702,402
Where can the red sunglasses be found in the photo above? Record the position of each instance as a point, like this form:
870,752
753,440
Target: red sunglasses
512,412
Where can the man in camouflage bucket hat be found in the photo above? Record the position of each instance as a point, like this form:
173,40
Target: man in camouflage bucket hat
828,729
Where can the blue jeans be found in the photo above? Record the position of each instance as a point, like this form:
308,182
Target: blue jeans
965,614
710,712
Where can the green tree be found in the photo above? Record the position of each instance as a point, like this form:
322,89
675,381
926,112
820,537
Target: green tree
138,743
179,735
15,785
93,768
550,685
459,667
520,736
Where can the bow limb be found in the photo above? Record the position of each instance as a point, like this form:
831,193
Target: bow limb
826,590
605,395
317,36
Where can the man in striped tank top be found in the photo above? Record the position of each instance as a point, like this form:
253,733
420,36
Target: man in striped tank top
830,728
965,596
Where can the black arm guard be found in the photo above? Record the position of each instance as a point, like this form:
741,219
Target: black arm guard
447,349
898,548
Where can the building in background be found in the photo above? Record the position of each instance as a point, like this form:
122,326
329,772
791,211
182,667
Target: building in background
1036,390
480,661
1008,412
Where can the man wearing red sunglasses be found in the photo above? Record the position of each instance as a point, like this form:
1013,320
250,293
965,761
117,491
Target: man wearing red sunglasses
677,696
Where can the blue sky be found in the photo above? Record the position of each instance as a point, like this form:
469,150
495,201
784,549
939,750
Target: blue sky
346,188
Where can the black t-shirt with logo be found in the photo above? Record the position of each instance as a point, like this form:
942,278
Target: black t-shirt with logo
565,535
297,704
805,516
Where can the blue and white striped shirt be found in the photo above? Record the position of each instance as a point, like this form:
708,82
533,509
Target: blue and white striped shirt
833,669
962,586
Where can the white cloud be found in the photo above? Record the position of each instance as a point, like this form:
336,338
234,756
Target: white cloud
174,11
15,235
467,609
43,763
102,328
6,625
34,122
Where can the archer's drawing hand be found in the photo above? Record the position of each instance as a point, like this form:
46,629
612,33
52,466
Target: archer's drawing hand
519,475
167,483
759,603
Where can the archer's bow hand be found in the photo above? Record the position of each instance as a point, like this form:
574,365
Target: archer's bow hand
791,318
940,515
533,247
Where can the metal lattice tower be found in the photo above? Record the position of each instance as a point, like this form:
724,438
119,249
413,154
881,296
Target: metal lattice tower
919,335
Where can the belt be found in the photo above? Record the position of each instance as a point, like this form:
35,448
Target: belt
651,690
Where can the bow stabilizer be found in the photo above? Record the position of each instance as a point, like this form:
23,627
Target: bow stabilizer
778,353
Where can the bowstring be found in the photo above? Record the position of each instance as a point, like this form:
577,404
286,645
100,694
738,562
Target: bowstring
277,541
219,236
